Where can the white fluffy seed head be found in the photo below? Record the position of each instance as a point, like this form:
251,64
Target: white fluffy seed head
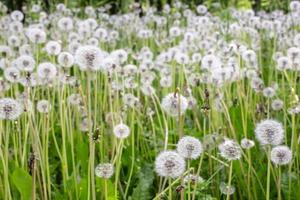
277,104
193,179
43,106
12,74
230,150
17,15
46,70
210,62
169,164
227,189
74,99
10,109
121,131
25,63
170,104
53,48
281,155
189,147
104,170
65,59
65,24
269,132
247,144
269,92
284,63
36,35
89,57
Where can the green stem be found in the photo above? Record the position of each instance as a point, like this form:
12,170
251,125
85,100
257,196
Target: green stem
229,180
268,175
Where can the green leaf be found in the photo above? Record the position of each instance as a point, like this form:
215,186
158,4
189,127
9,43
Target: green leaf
145,182
111,191
83,189
23,181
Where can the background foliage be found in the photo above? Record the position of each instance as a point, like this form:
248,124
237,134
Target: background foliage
123,5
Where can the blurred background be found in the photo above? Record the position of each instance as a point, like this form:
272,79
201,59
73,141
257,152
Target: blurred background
124,5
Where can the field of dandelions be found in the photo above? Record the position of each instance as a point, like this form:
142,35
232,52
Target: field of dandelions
182,103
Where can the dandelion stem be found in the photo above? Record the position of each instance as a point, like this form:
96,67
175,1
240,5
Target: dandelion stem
229,180
279,183
268,174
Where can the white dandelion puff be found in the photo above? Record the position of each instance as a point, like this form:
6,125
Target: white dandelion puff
247,144
46,70
43,106
189,147
104,170
230,150
169,164
10,109
269,132
89,58
121,131
171,105
281,155
65,59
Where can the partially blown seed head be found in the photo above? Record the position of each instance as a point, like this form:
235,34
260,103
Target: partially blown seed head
230,150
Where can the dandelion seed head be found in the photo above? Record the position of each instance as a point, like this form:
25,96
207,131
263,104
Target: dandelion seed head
269,132
169,164
89,58
210,62
147,90
46,70
277,104
14,41
65,24
10,109
104,170
247,144
170,104
12,74
130,70
65,59
227,189
36,35
25,63
16,26
25,49
269,92
193,179
284,63
130,100
295,6
201,9
165,81
281,155
43,106
85,124
53,48
17,15
75,99
230,150
189,147
121,131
